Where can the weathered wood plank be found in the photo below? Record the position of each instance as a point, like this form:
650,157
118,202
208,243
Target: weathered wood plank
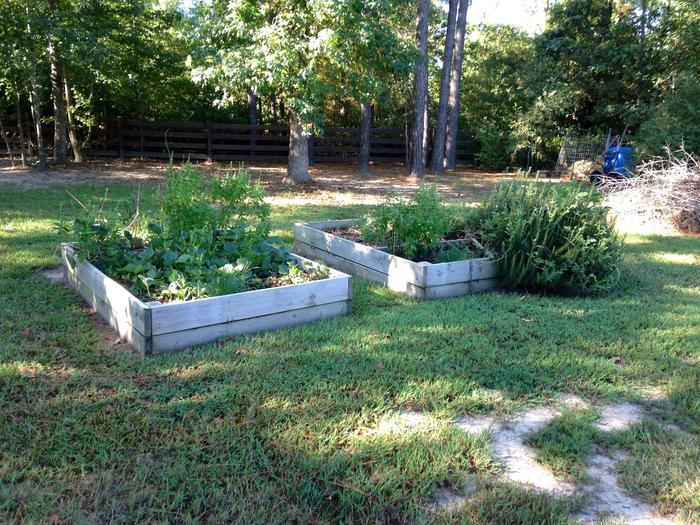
459,271
383,262
121,301
345,265
438,280
129,319
175,317
182,339
461,288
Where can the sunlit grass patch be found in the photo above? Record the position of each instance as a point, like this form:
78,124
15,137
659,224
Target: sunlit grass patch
663,467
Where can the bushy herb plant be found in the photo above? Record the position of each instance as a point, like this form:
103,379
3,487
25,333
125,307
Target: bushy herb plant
210,238
550,236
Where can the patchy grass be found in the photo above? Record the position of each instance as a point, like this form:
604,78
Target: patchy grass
565,443
291,425
663,468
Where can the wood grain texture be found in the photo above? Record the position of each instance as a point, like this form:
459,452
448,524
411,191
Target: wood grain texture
173,341
129,317
175,317
386,263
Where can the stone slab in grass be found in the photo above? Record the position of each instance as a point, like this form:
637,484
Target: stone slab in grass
422,280
156,328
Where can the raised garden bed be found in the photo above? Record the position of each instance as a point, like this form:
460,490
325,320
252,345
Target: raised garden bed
422,280
155,328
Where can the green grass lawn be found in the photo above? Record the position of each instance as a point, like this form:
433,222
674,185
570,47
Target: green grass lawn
296,426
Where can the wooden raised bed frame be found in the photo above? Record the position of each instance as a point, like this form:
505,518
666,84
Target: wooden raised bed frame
155,328
421,280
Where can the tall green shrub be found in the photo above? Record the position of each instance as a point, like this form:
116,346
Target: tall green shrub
551,236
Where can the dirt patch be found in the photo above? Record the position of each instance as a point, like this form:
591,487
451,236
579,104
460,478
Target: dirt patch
332,183
518,459
619,416
55,275
608,499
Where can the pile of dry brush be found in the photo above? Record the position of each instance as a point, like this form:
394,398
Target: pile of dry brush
665,189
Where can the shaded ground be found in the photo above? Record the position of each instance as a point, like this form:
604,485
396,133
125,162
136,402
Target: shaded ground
332,182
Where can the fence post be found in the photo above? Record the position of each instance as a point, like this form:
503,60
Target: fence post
120,137
210,157
311,149
141,133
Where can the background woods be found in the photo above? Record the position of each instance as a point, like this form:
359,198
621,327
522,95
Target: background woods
72,67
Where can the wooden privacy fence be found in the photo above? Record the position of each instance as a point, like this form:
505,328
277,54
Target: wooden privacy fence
214,141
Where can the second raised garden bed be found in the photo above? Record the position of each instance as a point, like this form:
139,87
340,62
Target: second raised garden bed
422,280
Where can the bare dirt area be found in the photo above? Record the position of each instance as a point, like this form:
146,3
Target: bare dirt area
332,183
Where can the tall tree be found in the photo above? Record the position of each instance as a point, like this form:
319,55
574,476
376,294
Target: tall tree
420,90
438,160
455,82
57,87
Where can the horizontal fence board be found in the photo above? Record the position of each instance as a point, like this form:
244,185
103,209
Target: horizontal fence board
244,137
200,140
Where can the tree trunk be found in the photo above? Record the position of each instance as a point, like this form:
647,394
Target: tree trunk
365,130
273,102
7,143
298,163
72,124
252,108
438,160
20,128
420,90
455,81
36,115
59,134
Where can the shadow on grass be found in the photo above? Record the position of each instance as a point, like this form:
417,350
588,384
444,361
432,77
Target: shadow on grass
279,426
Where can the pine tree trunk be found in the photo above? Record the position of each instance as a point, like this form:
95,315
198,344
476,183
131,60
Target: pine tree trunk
298,163
438,160
36,115
60,147
455,82
365,131
20,127
420,90
72,124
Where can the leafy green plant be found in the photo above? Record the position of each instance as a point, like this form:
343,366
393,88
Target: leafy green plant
412,228
209,239
550,236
